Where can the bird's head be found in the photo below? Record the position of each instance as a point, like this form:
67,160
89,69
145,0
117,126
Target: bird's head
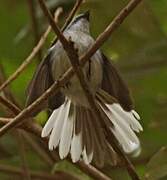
81,23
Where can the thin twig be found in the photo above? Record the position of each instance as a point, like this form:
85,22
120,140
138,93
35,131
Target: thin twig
34,174
29,59
93,172
5,120
12,107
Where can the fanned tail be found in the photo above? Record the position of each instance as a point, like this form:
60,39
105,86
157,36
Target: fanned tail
74,130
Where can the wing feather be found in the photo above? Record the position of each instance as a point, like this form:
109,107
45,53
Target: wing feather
113,84
40,82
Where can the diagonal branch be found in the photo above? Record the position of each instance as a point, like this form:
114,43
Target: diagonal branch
12,107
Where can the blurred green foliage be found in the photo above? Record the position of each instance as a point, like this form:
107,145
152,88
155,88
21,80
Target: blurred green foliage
139,48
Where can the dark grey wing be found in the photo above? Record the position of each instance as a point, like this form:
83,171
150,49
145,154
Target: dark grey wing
113,84
41,81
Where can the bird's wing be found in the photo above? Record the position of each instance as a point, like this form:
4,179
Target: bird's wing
113,84
41,81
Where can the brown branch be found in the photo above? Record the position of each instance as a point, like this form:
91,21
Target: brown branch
29,59
34,25
12,107
5,120
93,172
72,13
34,174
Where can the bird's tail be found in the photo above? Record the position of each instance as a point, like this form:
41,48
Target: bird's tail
125,123
74,130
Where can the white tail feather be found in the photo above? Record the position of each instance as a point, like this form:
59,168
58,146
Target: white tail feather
87,158
49,124
66,136
124,125
122,128
135,114
121,137
128,117
59,121
76,147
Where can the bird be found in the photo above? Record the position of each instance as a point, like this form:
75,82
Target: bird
71,127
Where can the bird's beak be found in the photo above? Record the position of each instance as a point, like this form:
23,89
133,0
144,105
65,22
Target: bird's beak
86,15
